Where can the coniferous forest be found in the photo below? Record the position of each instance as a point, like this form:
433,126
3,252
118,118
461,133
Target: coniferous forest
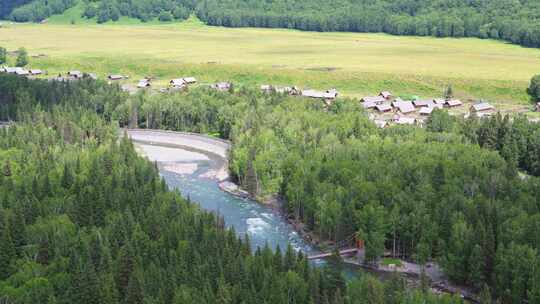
84,219
510,20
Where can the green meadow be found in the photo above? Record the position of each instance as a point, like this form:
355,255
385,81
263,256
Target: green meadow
356,64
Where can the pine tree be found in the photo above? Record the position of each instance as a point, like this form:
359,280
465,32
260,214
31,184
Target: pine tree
3,55
7,254
449,92
134,293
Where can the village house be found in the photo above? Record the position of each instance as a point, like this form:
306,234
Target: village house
178,82
190,80
35,72
222,86
426,110
115,77
383,107
385,94
452,103
483,107
75,74
423,103
369,105
538,107
143,83
21,72
373,99
329,94
11,70
92,76
404,107
439,101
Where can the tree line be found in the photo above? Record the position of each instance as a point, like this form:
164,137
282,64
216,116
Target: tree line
84,219
513,21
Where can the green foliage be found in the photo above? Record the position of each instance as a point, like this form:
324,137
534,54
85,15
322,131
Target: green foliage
496,19
534,88
448,193
36,11
22,57
3,55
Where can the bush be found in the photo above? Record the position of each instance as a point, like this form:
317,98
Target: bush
165,16
90,11
534,88
22,57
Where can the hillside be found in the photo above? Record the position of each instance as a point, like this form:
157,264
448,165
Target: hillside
514,21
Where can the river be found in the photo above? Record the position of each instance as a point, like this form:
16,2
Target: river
195,164
192,165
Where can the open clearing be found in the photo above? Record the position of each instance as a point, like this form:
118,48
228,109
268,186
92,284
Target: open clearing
356,64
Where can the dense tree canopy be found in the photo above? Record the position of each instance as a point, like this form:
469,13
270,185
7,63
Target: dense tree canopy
450,192
83,219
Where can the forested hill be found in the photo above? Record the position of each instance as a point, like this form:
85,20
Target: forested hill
517,21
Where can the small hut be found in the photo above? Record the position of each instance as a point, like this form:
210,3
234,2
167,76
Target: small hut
452,103
385,94
482,107
383,107
222,86
75,74
143,83
115,77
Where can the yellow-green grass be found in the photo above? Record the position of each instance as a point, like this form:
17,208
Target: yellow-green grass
356,64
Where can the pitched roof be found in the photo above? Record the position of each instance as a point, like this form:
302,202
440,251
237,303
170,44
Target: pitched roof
376,99
383,107
143,83
423,103
439,101
483,106
369,104
189,79
21,71
178,82
35,72
76,74
115,77
404,106
454,102
426,110
329,94
385,94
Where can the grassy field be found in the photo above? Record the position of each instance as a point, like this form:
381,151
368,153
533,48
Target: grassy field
355,64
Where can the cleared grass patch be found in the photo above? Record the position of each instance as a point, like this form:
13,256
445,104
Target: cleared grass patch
356,64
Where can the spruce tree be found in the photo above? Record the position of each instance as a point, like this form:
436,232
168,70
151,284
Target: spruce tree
7,254
22,57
